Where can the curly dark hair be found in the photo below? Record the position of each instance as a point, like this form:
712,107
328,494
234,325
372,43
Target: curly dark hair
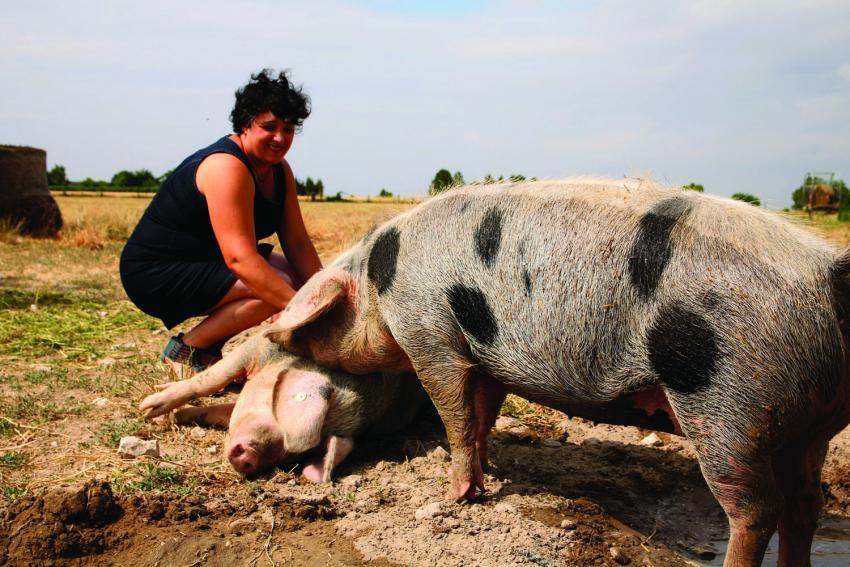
264,93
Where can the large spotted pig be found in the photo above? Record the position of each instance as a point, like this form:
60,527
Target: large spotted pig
290,409
617,301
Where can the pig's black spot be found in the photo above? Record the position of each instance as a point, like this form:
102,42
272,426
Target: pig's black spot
464,206
473,313
683,349
325,391
382,260
526,279
652,248
488,236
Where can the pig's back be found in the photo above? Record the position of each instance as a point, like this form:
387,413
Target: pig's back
585,290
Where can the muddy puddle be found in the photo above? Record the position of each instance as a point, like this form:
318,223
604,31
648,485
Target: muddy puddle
831,547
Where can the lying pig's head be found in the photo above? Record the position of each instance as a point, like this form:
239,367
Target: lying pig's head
278,416
334,319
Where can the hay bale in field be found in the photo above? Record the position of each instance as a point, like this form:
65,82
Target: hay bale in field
25,200
822,197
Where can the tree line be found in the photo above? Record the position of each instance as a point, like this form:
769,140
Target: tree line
144,181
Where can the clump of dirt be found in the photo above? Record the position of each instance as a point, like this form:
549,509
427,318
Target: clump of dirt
580,494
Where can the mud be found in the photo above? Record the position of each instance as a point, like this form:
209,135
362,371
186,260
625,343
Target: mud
559,493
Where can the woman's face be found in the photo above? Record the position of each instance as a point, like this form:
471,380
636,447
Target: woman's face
268,138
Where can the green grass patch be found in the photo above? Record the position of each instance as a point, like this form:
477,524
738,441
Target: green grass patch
12,298
111,434
515,407
13,459
152,476
34,408
76,325
11,492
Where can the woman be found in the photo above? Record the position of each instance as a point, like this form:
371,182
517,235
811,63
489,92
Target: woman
195,250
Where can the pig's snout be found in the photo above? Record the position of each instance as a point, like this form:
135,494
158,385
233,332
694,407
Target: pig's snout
244,458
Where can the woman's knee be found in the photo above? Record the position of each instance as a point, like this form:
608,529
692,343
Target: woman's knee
281,265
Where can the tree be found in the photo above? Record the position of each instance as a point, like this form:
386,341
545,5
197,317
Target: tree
694,187
457,179
138,178
442,181
56,176
310,188
385,193
516,178
747,198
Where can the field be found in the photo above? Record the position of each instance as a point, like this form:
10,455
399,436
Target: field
76,358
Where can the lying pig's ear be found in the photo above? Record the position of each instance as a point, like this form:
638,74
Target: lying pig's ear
301,406
319,295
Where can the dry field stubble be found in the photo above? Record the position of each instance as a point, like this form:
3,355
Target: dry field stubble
76,357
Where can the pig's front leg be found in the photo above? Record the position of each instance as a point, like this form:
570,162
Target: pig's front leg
336,449
204,383
452,383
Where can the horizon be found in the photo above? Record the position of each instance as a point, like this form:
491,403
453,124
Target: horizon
738,97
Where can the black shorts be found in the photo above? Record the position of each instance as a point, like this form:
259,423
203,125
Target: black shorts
175,290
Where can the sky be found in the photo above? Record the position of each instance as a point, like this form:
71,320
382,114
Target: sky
739,96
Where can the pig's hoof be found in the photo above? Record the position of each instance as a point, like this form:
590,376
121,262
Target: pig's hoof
464,491
314,472
156,405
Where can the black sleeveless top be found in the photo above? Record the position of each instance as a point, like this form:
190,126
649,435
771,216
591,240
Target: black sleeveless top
176,225
172,267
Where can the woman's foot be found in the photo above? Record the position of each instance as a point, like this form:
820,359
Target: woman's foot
185,360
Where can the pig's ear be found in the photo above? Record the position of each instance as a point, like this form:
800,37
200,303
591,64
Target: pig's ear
321,294
301,407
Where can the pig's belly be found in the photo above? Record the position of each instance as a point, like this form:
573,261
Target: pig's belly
647,408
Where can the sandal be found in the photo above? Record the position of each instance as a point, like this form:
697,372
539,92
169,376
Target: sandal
198,358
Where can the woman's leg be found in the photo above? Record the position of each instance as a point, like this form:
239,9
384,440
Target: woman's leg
238,310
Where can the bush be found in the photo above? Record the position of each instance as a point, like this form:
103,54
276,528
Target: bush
747,198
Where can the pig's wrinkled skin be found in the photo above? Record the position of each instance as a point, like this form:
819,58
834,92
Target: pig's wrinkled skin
289,406
617,301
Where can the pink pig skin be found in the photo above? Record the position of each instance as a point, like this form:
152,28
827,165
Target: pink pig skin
290,406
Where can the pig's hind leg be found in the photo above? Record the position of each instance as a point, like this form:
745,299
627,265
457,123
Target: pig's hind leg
205,415
488,396
741,477
798,470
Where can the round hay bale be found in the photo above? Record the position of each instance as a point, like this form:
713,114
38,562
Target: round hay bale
25,200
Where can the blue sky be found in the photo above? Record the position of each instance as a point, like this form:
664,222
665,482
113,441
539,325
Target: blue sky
736,95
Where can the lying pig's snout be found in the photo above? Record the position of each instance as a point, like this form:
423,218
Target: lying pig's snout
244,459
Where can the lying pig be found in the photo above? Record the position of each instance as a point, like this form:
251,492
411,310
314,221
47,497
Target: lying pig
289,406
617,301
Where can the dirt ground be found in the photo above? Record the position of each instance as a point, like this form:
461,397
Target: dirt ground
561,492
